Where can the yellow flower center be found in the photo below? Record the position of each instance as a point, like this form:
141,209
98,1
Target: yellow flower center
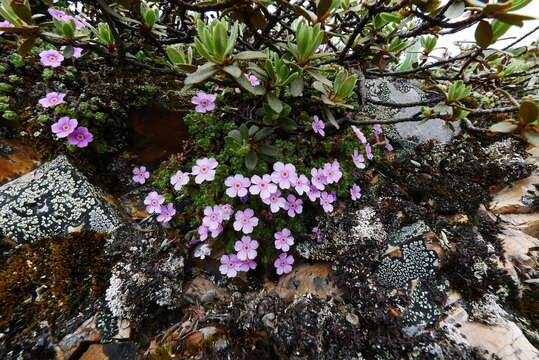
52,58
66,127
80,137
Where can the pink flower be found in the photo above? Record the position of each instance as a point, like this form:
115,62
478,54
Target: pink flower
326,201
51,58
203,232
358,159
318,178
202,251
275,201
237,185
283,263
57,14
77,51
204,102
5,24
377,128
215,232
283,240
301,184
317,232
166,214
229,265
64,126
80,137
262,185
318,126
246,265
212,217
359,134
246,248
140,174
388,145
226,211
332,172
368,150
179,180
355,192
283,174
153,202
204,170
52,99
293,205
245,221
313,193
252,79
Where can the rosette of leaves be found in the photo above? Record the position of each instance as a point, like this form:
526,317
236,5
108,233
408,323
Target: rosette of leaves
247,142
527,123
215,43
149,15
19,13
337,92
451,109
276,74
181,60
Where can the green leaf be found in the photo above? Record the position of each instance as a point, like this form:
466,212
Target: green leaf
263,133
68,51
274,102
505,127
203,73
251,159
330,117
390,17
288,124
455,10
233,71
528,111
22,9
175,55
244,132
323,7
499,28
245,84
483,34
232,142
319,77
253,129
250,55
26,46
513,19
296,86
532,137
235,134
269,150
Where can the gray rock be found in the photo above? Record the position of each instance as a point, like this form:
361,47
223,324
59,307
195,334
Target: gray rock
50,200
415,272
406,91
340,232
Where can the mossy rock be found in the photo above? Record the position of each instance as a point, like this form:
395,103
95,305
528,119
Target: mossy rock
53,278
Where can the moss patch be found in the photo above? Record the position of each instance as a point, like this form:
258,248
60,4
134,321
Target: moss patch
52,277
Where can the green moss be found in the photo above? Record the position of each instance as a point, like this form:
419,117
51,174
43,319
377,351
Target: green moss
52,277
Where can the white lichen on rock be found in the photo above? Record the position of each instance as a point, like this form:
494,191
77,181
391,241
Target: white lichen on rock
50,200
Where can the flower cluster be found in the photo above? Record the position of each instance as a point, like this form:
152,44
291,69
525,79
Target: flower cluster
282,188
62,16
76,135
154,205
